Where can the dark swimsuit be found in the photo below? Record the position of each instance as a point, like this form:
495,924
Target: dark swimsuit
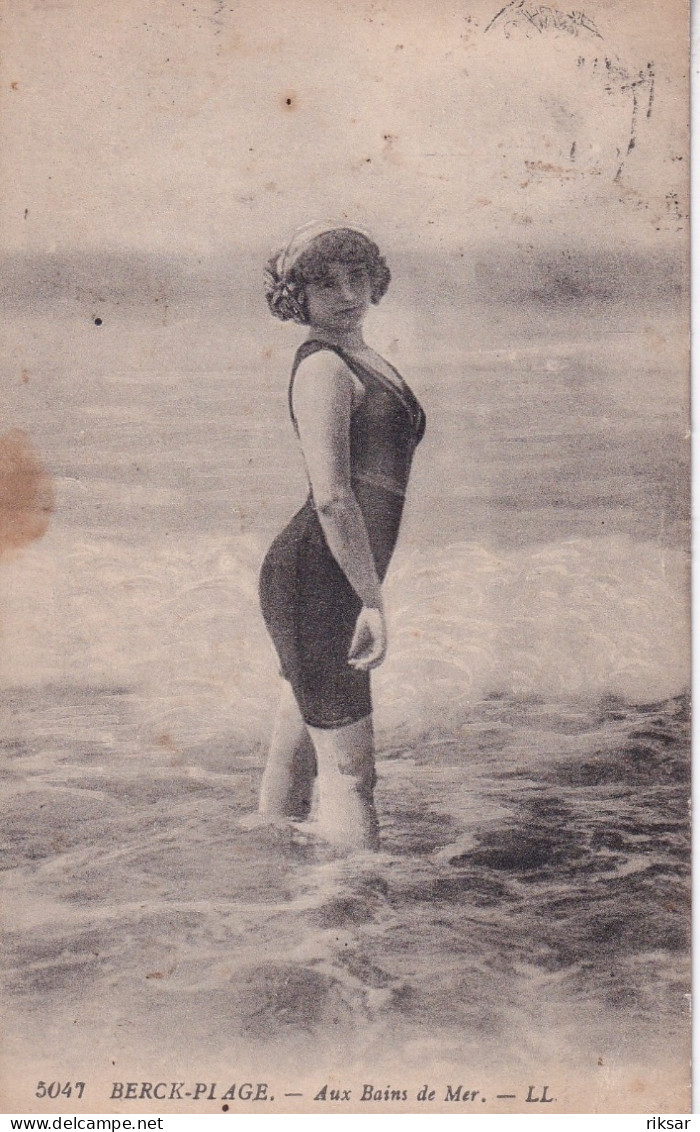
309,606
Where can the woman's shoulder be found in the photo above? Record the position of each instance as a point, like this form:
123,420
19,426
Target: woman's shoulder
322,364
321,373
317,355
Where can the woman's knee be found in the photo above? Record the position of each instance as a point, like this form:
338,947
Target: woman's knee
350,750
359,765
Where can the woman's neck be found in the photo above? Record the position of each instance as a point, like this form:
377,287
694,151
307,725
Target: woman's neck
351,340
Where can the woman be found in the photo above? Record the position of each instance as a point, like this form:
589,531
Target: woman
320,585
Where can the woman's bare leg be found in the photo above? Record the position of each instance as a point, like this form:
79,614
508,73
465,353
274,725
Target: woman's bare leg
346,780
287,783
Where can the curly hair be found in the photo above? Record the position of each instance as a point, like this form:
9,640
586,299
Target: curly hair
286,296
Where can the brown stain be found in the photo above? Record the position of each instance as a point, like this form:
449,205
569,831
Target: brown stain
166,741
25,377
26,492
14,85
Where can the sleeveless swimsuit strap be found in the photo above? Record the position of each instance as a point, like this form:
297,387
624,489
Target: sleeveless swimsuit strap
361,370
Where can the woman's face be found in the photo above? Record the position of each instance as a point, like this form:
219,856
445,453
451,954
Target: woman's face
340,301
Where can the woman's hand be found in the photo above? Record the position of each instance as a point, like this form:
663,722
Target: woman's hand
369,642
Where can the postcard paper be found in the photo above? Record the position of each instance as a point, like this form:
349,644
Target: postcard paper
518,942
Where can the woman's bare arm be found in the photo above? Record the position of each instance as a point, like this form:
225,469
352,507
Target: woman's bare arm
323,402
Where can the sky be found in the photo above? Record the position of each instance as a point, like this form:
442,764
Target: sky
176,126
